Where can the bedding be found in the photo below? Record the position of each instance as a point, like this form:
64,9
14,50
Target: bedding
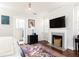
9,47
6,46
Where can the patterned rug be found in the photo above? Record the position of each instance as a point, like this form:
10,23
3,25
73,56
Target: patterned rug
36,50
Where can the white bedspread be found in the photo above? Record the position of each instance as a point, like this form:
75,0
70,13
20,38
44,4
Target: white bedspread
9,47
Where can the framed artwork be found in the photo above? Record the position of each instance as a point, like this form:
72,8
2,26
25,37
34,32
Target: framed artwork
5,20
31,23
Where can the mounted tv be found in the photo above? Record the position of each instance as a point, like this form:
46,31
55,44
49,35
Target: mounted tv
57,22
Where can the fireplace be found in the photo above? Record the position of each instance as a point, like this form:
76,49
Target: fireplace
57,39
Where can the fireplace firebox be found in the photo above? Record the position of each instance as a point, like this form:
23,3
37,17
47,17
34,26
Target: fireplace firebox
57,40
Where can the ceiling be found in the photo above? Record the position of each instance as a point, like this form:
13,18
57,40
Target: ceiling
39,9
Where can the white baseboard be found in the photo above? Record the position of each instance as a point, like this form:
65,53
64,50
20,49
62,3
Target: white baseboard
71,48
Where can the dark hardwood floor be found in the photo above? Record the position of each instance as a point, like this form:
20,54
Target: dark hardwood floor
68,52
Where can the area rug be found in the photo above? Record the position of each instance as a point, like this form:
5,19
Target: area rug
37,50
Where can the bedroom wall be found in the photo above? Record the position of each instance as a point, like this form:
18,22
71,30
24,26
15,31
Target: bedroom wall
76,22
38,28
77,19
6,30
63,11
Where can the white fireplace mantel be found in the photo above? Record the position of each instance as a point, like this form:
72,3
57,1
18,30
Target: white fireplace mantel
61,32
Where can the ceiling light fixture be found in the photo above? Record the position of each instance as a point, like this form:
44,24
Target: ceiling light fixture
29,6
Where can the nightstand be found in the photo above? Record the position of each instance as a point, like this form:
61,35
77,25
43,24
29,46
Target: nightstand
77,44
32,39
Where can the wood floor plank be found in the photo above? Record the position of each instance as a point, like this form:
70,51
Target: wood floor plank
68,52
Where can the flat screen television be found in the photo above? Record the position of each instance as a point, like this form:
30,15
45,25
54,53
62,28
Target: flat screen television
57,22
